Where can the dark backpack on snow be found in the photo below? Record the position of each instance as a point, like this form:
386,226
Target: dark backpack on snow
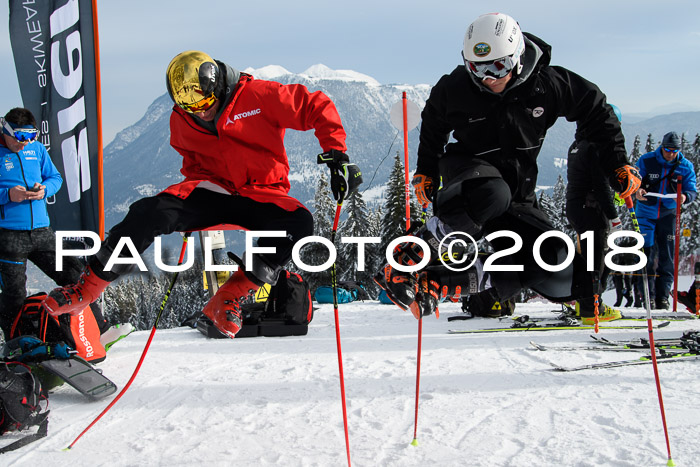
20,404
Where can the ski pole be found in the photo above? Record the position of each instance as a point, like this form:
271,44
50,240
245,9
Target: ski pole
635,222
145,349
677,243
418,359
334,284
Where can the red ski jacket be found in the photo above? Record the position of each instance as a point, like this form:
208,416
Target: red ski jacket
248,157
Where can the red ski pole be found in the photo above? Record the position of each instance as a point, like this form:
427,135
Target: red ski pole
334,283
145,349
635,222
677,244
408,226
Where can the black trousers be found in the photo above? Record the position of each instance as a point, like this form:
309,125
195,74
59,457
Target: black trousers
164,213
16,248
484,204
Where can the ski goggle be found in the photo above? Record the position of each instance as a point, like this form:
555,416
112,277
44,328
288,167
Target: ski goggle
673,151
494,69
201,105
23,135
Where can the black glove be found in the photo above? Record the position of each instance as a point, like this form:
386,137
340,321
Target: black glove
345,177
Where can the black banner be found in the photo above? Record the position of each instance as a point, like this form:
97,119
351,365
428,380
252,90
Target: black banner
53,44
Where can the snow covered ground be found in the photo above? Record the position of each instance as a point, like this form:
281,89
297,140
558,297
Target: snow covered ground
485,399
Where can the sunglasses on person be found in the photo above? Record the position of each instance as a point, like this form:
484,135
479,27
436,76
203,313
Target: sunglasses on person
492,69
673,151
201,105
23,135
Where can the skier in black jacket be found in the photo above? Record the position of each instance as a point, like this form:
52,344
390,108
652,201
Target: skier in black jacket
497,107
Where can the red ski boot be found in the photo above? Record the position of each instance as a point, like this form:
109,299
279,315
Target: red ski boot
73,299
224,308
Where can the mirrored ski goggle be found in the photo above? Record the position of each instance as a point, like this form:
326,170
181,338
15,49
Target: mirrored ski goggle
493,69
671,150
200,106
20,134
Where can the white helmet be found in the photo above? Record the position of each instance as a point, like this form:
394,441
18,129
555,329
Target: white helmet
493,37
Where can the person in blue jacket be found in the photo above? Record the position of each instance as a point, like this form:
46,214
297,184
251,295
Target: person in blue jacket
660,170
27,178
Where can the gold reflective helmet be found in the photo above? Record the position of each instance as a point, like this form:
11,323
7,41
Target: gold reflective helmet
191,79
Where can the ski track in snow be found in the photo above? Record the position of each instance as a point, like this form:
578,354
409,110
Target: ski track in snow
485,399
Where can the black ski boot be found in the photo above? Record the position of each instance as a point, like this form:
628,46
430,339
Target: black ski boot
487,304
401,287
428,297
688,298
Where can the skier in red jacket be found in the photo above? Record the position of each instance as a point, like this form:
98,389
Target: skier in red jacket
229,129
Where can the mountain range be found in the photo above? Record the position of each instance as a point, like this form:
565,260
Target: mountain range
140,162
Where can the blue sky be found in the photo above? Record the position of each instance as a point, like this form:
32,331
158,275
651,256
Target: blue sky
643,54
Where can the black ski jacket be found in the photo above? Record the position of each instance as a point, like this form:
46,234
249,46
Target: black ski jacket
506,130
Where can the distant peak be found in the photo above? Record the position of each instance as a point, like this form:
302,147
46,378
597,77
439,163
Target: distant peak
318,71
268,72
321,71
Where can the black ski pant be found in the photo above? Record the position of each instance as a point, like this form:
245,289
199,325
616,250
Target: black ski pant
165,213
481,205
586,216
38,246
660,234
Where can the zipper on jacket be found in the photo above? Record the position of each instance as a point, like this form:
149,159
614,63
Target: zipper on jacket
31,210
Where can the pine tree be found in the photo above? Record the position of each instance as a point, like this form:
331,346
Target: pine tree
690,213
696,151
636,150
394,222
685,145
357,224
547,205
315,253
558,207
650,145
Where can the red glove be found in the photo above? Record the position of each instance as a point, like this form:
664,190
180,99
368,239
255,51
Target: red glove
424,188
626,181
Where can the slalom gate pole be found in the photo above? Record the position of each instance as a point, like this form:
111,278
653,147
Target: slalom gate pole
630,207
334,284
677,243
405,159
408,226
148,343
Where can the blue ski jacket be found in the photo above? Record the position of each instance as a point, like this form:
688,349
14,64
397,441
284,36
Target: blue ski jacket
654,170
31,165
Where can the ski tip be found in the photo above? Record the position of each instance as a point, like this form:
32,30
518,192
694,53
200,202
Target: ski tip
537,346
670,462
414,442
66,449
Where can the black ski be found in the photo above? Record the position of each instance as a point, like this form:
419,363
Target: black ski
663,358
533,326
689,339
609,348
81,375
563,316
604,348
